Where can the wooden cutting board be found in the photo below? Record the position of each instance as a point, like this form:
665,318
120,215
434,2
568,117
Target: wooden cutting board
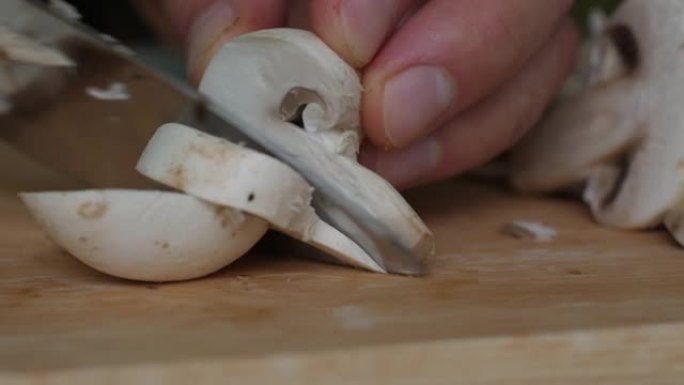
594,305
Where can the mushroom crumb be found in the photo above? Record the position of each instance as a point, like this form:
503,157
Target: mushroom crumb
522,229
116,91
92,210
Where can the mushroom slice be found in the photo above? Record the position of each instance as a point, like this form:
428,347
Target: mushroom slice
281,75
145,235
227,174
624,134
267,80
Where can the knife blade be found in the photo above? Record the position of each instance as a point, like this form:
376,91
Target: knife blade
99,141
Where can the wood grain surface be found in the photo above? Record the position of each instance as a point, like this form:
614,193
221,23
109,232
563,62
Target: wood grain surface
594,305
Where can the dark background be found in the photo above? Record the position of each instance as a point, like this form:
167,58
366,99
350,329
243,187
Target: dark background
120,19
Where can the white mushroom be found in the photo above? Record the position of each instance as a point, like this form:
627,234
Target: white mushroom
622,135
227,174
145,235
262,79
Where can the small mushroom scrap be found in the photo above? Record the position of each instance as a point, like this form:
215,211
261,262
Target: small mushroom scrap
621,133
228,195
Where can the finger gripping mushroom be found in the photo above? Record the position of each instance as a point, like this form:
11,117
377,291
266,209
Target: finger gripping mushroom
622,134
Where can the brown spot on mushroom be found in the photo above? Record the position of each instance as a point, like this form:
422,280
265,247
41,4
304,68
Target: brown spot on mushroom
251,197
202,150
223,215
178,176
163,245
83,239
211,152
575,272
92,210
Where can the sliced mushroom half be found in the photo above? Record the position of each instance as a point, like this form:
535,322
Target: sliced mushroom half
145,235
623,134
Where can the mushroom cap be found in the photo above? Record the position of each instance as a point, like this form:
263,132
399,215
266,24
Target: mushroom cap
145,235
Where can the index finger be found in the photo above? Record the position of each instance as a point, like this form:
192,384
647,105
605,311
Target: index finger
450,55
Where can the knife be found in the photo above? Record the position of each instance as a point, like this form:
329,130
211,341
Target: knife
54,121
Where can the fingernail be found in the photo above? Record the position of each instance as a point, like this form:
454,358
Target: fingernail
414,101
407,167
208,29
365,25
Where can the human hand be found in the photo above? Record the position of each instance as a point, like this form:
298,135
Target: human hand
449,84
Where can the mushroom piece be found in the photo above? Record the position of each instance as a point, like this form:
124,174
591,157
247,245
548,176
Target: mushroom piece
145,235
622,136
280,75
229,175
266,80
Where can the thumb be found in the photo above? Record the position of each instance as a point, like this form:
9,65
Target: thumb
356,29
204,25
